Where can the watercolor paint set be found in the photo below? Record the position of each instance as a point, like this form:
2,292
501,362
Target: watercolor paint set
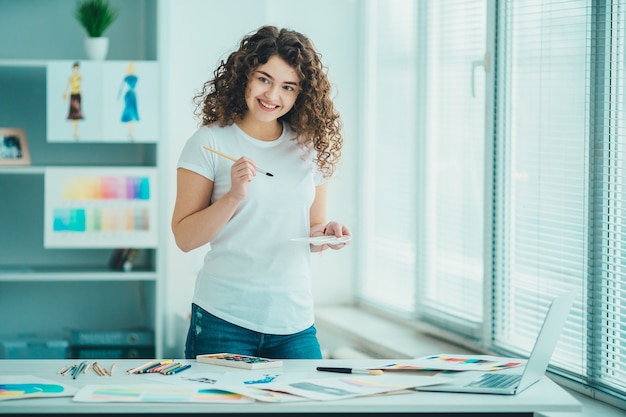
239,361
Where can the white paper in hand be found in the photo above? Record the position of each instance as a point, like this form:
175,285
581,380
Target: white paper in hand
322,240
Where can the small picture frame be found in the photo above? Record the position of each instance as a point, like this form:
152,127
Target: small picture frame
13,147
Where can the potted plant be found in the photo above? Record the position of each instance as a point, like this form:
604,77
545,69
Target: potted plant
96,16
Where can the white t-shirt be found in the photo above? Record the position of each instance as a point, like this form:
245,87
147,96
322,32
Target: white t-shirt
254,276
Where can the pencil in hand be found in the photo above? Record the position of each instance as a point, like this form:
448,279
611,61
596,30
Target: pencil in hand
269,174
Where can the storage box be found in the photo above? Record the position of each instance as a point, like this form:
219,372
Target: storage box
33,347
104,352
122,337
108,344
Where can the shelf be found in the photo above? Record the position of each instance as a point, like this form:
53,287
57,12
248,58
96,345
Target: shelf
22,170
43,63
41,169
38,63
74,287
30,274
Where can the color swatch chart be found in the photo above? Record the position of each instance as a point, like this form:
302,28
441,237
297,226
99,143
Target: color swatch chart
100,207
106,188
107,219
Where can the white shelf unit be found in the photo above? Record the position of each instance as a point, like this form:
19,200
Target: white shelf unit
51,291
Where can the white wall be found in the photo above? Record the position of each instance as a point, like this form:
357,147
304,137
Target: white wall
194,35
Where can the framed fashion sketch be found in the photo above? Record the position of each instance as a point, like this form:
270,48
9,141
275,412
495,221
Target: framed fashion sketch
102,101
100,207
13,147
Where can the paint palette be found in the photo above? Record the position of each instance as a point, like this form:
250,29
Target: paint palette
239,361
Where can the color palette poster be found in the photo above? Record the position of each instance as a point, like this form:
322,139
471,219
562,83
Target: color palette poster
100,207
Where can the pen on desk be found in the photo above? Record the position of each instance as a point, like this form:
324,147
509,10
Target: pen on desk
68,370
234,160
96,368
79,369
75,371
99,369
350,370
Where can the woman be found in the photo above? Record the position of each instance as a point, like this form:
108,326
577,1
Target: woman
268,104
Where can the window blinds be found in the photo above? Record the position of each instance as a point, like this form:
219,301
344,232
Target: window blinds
606,300
562,139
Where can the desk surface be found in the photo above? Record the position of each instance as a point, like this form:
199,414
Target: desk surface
543,396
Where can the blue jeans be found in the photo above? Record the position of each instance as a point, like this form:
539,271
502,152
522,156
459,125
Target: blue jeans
210,334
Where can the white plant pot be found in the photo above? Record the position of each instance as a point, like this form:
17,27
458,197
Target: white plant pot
97,48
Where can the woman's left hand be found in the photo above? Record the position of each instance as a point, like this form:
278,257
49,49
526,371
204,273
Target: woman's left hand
332,229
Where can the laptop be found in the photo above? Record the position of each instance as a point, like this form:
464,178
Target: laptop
510,383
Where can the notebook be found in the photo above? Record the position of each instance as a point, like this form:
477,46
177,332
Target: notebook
510,383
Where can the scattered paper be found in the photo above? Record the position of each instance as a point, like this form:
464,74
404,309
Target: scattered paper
25,386
257,393
450,362
347,387
157,393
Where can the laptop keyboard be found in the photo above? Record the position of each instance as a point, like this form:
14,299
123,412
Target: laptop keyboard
493,380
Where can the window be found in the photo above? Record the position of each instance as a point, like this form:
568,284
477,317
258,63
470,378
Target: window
425,130
542,227
500,182
390,97
453,49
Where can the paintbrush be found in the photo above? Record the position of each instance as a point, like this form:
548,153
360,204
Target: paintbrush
234,159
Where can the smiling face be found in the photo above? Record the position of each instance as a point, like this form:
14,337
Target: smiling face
272,91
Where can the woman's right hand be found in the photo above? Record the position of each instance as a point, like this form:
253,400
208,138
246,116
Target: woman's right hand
241,174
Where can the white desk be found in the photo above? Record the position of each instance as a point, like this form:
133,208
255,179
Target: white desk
544,396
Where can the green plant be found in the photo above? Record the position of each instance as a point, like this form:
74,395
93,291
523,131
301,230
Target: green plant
95,16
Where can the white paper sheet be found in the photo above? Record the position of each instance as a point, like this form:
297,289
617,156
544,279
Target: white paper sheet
25,386
157,393
322,240
325,389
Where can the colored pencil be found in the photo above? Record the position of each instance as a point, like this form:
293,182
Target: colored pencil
179,369
171,367
139,368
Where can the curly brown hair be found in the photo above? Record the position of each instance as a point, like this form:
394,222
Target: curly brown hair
313,117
